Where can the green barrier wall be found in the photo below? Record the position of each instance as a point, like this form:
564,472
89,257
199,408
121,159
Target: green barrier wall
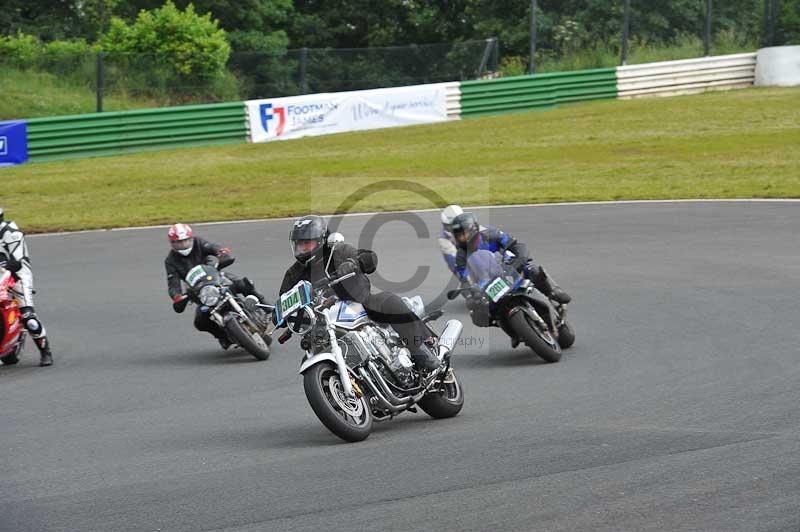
90,135
523,93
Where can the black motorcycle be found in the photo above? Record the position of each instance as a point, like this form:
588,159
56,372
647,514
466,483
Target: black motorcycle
501,297
245,322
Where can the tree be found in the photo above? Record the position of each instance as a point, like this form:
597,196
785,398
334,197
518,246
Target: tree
251,25
192,45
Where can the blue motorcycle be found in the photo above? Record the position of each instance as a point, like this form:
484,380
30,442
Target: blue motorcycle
500,297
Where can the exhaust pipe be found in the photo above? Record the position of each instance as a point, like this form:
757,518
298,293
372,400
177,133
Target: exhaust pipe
449,338
382,400
386,392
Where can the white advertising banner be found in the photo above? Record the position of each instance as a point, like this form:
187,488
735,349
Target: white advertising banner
337,112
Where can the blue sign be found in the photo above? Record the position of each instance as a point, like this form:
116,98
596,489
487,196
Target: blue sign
13,143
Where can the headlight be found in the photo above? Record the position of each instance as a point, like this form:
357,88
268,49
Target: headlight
209,295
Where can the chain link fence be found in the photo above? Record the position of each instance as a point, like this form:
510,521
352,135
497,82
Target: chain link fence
109,82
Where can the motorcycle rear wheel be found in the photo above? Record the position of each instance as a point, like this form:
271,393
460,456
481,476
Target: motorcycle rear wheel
547,348
324,392
10,360
244,339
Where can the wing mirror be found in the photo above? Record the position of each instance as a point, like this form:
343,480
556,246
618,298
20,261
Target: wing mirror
335,238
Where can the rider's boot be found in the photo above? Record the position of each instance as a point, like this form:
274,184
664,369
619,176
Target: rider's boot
545,284
249,288
218,333
424,356
46,356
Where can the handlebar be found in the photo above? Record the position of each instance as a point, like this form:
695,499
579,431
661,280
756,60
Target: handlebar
282,339
452,294
325,283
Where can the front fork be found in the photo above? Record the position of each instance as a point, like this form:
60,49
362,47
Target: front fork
219,318
561,315
344,374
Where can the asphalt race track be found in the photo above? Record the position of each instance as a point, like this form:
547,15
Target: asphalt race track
678,409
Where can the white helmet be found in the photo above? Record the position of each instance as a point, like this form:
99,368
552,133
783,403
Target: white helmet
448,213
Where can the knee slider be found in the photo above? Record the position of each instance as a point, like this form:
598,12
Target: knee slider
32,323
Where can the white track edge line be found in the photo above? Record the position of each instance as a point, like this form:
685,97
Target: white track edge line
514,206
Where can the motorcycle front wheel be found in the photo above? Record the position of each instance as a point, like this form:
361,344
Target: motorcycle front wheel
253,343
348,418
542,343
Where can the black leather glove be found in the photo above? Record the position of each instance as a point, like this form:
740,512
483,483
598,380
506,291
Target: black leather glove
211,260
13,265
347,267
519,263
179,303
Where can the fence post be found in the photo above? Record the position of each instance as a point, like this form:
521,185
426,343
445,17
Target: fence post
532,65
769,22
100,81
707,34
773,20
303,78
487,52
626,22
495,54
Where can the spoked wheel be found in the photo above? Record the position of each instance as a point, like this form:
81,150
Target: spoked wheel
250,341
348,418
541,342
447,400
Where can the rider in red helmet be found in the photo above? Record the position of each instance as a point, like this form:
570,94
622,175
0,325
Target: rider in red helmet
189,251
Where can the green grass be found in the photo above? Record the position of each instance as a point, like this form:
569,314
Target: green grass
738,144
31,94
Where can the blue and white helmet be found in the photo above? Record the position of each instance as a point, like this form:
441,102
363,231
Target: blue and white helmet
448,214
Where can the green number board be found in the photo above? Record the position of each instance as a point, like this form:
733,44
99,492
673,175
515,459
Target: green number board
496,289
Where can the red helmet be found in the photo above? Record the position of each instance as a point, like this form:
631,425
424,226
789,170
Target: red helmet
180,238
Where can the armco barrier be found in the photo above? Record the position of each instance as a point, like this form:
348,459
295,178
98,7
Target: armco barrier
89,135
670,78
522,93
454,100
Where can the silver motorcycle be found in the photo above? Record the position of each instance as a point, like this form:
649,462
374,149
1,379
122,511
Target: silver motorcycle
356,371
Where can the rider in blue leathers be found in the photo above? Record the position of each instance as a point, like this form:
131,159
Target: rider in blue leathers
470,236
447,242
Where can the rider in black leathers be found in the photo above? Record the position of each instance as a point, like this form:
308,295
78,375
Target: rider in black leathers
189,251
309,239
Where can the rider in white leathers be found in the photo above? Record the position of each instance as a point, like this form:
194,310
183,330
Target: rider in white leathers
14,257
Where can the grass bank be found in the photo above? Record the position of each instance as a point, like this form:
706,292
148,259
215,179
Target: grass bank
31,94
738,144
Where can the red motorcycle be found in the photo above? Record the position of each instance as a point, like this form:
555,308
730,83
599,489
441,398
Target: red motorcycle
12,334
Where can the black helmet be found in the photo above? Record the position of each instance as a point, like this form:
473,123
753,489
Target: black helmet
308,236
466,230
